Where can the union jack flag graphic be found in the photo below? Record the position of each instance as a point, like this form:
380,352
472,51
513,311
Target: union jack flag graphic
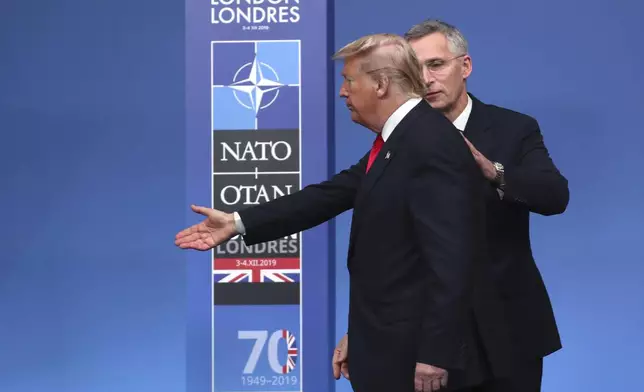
261,270
292,351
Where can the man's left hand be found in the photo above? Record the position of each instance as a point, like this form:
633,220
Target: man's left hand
488,169
429,378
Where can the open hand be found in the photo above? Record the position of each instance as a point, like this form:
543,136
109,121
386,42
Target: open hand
218,227
487,167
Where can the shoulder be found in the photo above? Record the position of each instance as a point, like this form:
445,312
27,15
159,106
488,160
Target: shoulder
432,135
431,125
507,123
506,118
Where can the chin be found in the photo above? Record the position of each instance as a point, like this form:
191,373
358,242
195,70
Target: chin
358,121
436,103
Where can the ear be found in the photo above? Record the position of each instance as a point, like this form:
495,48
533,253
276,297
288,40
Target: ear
467,66
382,85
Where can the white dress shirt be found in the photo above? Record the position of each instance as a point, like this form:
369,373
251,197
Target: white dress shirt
397,116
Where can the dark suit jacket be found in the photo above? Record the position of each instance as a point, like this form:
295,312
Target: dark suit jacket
533,184
417,235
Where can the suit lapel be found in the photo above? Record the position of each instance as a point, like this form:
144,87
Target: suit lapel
378,167
478,126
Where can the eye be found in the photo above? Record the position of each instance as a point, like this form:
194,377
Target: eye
435,64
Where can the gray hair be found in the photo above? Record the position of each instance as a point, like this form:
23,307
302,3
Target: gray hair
455,39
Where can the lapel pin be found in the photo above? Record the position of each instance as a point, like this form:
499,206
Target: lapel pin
388,155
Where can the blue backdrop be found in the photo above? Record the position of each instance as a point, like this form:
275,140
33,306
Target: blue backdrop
92,290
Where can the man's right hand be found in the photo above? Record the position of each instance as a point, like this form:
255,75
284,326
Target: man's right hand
341,358
218,227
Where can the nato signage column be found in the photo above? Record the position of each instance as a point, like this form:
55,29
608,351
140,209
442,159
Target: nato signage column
257,129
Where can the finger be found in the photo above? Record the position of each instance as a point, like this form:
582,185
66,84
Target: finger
186,236
196,245
435,384
200,210
470,145
341,354
418,384
345,370
335,362
336,370
444,380
186,232
428,385
197,240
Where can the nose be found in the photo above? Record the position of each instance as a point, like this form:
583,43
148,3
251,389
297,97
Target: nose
343,91
428,76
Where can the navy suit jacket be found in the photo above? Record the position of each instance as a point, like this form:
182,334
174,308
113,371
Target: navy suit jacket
533,185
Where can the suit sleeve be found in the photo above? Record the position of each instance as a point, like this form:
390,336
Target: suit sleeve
536,182
447,206
309,207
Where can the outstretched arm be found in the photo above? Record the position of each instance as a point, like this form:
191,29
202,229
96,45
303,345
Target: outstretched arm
309,207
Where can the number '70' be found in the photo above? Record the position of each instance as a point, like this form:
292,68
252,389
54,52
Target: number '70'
260,338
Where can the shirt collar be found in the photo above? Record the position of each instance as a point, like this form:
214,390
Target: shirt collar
397,116
461,120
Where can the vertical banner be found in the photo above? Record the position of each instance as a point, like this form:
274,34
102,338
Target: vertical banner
257,77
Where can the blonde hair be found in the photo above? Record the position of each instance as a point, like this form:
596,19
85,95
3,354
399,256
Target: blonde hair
387,56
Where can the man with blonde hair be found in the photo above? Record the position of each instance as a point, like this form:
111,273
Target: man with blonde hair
418,223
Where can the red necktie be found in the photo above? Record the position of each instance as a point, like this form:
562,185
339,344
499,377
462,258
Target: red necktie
375,149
